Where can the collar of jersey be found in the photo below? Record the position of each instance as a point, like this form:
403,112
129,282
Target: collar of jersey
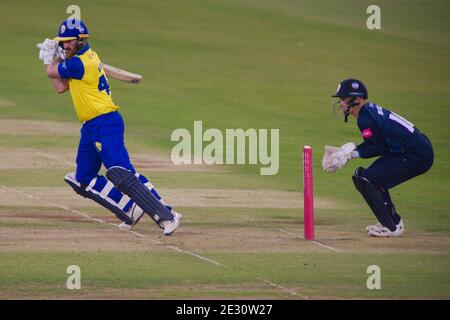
86,48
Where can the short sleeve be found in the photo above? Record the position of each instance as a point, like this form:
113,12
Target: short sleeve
72,68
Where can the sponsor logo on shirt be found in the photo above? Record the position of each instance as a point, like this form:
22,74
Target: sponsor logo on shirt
367,133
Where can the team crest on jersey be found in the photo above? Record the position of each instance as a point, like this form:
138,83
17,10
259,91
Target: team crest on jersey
367,133
98,145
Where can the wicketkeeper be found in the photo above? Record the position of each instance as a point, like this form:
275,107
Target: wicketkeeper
404,152
72,65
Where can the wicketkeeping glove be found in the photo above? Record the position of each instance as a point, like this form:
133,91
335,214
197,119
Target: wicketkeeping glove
327,161
348,150
336,158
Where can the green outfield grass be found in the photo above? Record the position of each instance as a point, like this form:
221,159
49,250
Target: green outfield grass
232,64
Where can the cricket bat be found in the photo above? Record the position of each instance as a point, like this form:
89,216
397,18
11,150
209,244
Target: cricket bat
122,75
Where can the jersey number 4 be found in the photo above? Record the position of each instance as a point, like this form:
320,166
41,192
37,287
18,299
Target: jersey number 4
103,84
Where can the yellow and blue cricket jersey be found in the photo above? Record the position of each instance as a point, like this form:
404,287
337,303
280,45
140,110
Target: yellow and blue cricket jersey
88,84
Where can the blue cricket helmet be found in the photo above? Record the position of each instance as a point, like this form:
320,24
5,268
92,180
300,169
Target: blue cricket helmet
351,88
72,29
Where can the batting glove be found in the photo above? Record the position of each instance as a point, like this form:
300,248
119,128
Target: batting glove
47,50
61,53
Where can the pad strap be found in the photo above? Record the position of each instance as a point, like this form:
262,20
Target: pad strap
81,189
128,183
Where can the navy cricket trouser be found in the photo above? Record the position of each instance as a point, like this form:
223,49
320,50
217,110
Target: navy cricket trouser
388,172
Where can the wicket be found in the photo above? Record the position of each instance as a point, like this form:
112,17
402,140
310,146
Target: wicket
308,194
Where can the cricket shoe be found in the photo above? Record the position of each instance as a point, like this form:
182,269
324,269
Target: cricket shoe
135,213
373,227
386,233
171,225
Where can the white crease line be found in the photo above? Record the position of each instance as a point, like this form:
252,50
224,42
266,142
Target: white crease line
101,221
328,247
55,158
283,288
292,234
315,242
195,255
156,241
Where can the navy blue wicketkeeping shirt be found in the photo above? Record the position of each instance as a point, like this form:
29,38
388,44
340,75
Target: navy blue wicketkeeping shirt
387,134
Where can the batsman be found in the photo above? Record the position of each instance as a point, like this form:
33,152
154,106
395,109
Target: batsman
72,65
403,152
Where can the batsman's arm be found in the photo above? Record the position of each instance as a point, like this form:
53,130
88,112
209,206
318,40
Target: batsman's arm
60,85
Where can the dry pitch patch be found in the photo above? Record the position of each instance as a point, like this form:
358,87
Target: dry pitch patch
38,223
22,205
6,103
257,290
24,229
55,219
32,219
29,158
38,127
178,197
